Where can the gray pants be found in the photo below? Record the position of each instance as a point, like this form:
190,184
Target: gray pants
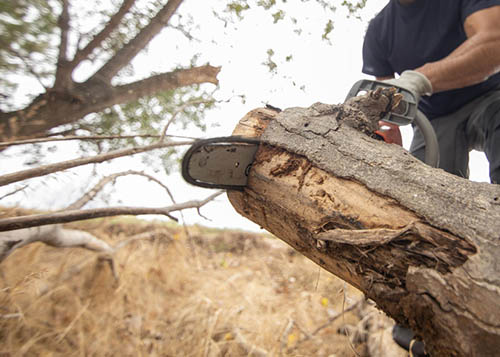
475,126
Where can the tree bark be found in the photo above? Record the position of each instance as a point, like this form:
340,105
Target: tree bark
423,244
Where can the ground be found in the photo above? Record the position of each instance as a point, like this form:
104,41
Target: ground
200,292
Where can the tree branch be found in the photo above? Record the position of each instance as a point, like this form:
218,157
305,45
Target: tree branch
64,165
178,111
111,25
6,144
88,196
19,189
131,49
63,77
66,216
166,81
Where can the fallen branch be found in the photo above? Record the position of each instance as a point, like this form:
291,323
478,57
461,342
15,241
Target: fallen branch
36,220
54,235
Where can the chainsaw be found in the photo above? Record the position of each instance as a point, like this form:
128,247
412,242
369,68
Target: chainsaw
225,162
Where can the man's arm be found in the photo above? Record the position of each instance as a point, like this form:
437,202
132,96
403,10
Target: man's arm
475,60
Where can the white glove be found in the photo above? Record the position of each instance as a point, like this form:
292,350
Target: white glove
414,81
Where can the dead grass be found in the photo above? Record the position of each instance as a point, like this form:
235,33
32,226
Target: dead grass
215,293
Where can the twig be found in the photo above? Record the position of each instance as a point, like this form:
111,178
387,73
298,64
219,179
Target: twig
140,236
284,335
72,323
14,192
177,112
60,166
250,350
211,327
88,196
326,324
9,224
343,319
27,65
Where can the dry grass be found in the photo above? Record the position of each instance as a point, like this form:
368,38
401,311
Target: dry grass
176,296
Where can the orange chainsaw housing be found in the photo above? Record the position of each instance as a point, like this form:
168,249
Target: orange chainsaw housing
390,133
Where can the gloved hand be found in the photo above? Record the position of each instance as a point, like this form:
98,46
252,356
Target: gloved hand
414,81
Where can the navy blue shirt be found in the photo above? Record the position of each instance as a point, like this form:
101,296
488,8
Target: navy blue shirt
407,37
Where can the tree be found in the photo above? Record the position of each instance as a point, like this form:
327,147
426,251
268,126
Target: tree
89,90
423,244
74,100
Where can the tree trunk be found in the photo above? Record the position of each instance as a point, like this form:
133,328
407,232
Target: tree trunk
423,244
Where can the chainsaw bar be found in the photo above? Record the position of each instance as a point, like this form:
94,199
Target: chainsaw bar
222,162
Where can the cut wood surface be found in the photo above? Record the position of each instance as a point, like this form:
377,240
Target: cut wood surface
423,244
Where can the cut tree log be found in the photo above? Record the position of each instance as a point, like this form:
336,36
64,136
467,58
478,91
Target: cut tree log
423,244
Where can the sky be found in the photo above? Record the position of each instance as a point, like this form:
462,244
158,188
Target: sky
320,71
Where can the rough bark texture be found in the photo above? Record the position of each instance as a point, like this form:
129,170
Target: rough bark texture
423,244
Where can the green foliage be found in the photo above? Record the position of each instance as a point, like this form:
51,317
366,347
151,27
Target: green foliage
27,28
266,4
354,7
328,29
238,7
270,62
278,15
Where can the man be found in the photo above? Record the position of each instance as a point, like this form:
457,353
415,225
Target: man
448,53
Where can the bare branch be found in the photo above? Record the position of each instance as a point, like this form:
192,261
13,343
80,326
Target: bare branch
131,49
180,110
165,81
88,196
111,25
6,144
28,65
66,216
64,165
14,192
